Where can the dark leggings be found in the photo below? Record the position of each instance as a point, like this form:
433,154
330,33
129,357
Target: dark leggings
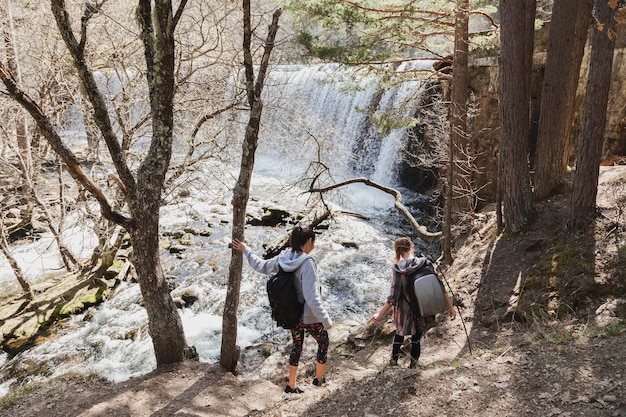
319,334
415,346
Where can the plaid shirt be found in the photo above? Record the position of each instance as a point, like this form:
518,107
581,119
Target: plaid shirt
403,318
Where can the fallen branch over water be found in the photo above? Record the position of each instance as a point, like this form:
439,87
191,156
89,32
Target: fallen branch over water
420,230
312,219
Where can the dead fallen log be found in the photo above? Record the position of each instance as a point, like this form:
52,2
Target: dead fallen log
311,219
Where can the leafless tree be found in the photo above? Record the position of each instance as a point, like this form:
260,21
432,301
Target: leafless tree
142,191
229,354
17,139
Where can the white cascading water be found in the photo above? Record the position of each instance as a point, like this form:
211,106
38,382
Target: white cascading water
302,102
306,105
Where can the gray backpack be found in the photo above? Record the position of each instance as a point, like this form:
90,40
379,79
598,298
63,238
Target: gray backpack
425,290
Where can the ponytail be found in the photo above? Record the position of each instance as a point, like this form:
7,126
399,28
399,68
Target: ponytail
401,246
299,236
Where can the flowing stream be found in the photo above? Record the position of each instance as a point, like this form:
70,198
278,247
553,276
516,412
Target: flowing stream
305,105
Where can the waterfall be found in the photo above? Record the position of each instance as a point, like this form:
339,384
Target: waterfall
307,105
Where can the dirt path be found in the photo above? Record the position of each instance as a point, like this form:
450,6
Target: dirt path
584,376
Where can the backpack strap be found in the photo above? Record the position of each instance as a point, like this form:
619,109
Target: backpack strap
406,293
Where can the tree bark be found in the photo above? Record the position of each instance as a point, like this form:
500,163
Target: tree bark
568,34
229,353
457,194
585,188
516,34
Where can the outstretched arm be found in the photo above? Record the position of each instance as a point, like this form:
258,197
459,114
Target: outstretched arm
264,266
377,317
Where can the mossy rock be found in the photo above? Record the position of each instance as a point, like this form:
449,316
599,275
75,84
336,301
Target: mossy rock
29,321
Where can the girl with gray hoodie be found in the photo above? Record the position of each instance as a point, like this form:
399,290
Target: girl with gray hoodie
315,319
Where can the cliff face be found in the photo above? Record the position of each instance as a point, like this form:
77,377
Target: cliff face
485,129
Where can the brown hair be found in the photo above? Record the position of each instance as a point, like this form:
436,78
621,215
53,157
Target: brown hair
299,236
402,245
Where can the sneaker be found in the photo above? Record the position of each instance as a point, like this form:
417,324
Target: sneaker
393,362
296,390
413,364
319,383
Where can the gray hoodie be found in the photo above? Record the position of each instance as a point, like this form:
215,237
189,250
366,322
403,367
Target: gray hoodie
408,266
306,282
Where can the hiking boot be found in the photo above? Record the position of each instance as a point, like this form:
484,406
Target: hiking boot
393,362
319,383
296,390
413,364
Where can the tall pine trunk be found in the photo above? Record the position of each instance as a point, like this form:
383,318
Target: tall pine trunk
516,38
566,46
457,192
585,188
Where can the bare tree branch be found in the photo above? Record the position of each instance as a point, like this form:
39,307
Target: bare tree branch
210,116
74,167
265,59
421,231
247,53
101,114
179,13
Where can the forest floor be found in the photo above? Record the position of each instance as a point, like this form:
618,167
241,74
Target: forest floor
541,333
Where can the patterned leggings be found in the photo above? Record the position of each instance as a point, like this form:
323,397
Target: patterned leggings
319,334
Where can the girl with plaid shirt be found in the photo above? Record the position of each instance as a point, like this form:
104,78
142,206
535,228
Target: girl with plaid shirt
406,322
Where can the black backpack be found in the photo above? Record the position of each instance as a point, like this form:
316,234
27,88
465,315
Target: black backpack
281,291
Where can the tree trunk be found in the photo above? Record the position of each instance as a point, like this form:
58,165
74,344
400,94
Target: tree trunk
457,194
229,353
517,17
566,47
168,337
21,279
166,329
585,188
